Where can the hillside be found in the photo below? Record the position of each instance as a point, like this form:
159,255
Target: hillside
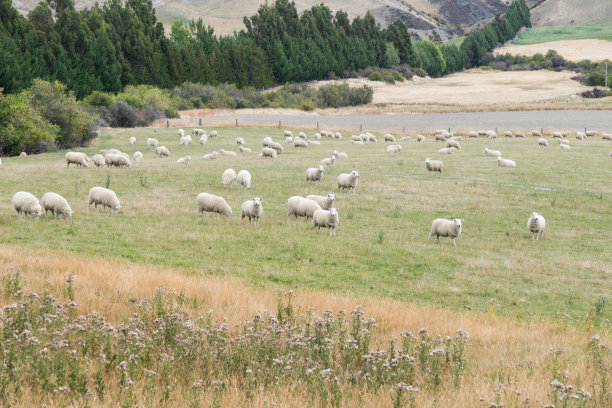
570,12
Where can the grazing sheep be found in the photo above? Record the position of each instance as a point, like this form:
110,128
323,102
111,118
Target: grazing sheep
288,139
606,136
267,152
519,134
356,142
580,136
138,158
508,133
440,138
348,180
492,153
118,160
405,139
188,140
57,205
203,139
389,138
324,133
340,155
501,162
183,141
357,138
564,146
99,160
394,148
314,142
244,178
434,165
212,203
252,209
302,135
536,133
591,133
132,140
453,143
181,132
338,135
152,142
456,138
481,132
314,173
441,227
557,135
239,141
491,134
210,156
244,149
301,207
213,133
536,224
104,197
472,133
78,158
326,202
317,136
162,151
565,134
266,140
276,146
197,132
370,138
328,161
326,219
287,133
26,203
563,141
23,154
420,138
542,142
228,177
297,142
184,160
227,152
447,150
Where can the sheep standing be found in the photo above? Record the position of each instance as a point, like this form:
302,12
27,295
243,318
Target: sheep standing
181,132
203,139
184,160
453,143
394,148
99,160
228,177
348,180
492,153
328,161
536,133
287,133
252,209
23,154
590,133
536,224
519,134
138,158
288,140
104,197
420,138
268,152
340,155
152,142
606,136
212,203
434,165
301,207
244,149
314,173
162,151
118,160
239,141
57,205
244,178
472,133
501,162
195,132
297,142
26,203
389,138
326,202
214,133
542,142
326,219
274,145
564,146
441,227
132,140
77,158
338,135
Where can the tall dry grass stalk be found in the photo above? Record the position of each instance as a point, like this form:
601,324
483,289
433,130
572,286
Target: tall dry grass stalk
507,361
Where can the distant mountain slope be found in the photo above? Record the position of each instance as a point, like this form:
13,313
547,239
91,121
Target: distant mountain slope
563,12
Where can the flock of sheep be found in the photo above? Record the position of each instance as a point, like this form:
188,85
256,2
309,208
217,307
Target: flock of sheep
318,208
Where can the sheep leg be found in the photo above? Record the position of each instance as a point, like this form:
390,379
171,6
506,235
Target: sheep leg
454,242
438,236
541,234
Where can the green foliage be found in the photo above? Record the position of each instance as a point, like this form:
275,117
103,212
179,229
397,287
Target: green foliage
601,30
453,57
429,57
391,55
335,96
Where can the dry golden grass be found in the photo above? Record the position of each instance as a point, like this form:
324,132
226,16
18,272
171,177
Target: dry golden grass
504,356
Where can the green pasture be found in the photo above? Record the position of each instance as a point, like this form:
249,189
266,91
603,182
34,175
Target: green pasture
599,30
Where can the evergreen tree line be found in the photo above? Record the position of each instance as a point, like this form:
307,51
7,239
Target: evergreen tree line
106,48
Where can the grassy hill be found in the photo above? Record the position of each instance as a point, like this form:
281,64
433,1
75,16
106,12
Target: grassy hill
600,30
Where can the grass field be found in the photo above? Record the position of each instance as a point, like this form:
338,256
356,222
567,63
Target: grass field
601,30
457,41
550,296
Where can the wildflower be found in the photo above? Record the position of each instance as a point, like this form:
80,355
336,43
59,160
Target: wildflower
437,350
557,385
463,334
149,373
423,332
402,386
198,384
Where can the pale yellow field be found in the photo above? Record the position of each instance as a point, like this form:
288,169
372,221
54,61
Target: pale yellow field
573,50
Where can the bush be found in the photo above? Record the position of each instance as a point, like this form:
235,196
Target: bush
336,96
375,76
123,115
99,99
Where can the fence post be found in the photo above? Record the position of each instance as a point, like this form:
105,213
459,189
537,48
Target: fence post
450,131
317,125
200,122
361,128
236,122
404,131
542,131
167,123
279,124
495,130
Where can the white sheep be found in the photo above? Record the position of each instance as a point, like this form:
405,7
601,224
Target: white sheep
434,165
536,224
239,141
348,180
78,158
472,133
203,139
118,160
212,203
244,149
289,140
314,142
326,202
542,142
138,158
606,136
508,133
183,141
152,142
184,160
580,135
557,135
356,142
453,143
394,148
491,134
244,178
324,133
302,135
301,207
26,203
564,146
210,156
132,140
276,146
297,142
338,135
162,151
481,132
563,140
196,132
287,133
370,138
590,133
314,173
389,138
357,138
340,155
104,197
99,160
181,132
328,161
266,140
491,152
440,137
536,133
519,134
420,138
267,152
228,177
441,227
23,154
252,209
214,133
326,219
57,205
447,150
227,152
501,162
317,136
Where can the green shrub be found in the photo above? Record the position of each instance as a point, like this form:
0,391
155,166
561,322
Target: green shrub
375,76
